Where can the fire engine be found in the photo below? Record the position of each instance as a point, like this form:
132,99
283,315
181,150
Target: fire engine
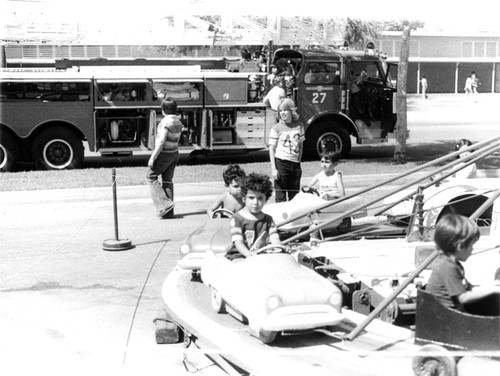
50,114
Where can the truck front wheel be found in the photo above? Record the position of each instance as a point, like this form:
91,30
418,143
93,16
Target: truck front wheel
57,149
327,135
9,152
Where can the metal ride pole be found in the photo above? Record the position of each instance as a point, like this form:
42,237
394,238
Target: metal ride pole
116,244
347,213
358,329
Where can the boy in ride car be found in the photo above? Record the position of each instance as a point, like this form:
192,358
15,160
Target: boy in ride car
232,199
455,237
251,228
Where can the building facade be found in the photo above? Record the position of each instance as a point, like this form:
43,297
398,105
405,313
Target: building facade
446,60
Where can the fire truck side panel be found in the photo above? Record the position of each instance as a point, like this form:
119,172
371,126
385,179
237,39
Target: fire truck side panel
226,91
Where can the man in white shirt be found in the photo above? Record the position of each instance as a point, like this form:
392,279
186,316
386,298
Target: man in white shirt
276,94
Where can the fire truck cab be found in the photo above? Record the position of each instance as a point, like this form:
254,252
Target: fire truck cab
339,94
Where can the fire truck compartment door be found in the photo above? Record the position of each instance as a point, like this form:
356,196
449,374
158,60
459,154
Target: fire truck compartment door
226,91
205,132
152,130
185,91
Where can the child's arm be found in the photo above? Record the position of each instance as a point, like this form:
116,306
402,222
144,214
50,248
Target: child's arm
340,184
313,182
478,293
242,248
272,158
274,237
218,203
301,150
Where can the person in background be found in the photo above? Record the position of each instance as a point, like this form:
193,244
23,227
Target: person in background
232,199
289,74
455,237
164,158
358,96
270,78
251,228
423,82
246,63
259,58
286,140
468,85
274,97
329,182
474,82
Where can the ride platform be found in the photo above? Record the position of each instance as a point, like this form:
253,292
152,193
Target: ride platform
380,349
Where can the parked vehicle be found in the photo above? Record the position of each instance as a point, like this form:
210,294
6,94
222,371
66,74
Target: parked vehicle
48,113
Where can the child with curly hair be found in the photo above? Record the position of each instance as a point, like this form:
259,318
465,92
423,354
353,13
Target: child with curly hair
251,228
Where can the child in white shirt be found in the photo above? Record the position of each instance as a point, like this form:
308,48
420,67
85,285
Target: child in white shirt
329,182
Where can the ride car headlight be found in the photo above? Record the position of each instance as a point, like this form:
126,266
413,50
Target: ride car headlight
273,302
336,299
185,249
285,216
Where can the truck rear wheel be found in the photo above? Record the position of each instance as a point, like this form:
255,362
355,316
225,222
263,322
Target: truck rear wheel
57,149
327,135
9,152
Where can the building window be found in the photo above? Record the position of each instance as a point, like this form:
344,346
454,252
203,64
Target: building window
466,49
478,49
491,49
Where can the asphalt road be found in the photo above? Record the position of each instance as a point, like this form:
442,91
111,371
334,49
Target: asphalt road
67,306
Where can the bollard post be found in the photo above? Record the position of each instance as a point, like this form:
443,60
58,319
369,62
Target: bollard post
115,244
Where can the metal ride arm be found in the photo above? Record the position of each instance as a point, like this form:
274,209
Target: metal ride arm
358,329
472,158
491,146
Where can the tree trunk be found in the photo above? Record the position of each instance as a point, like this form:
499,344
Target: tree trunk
401,105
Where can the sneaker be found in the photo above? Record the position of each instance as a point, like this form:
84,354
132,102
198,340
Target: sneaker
163,212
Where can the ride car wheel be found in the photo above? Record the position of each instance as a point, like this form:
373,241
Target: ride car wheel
434,360
267,336
9,152
218,304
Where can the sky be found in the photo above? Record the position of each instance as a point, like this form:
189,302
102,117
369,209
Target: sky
445,15
436,13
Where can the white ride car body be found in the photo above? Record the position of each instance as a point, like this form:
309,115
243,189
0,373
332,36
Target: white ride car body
273,292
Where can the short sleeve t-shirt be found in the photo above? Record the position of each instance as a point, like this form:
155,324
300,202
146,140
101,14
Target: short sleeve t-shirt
169,129
254,232
287,139
447,281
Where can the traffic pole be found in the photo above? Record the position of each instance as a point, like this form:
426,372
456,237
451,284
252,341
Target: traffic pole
116,244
